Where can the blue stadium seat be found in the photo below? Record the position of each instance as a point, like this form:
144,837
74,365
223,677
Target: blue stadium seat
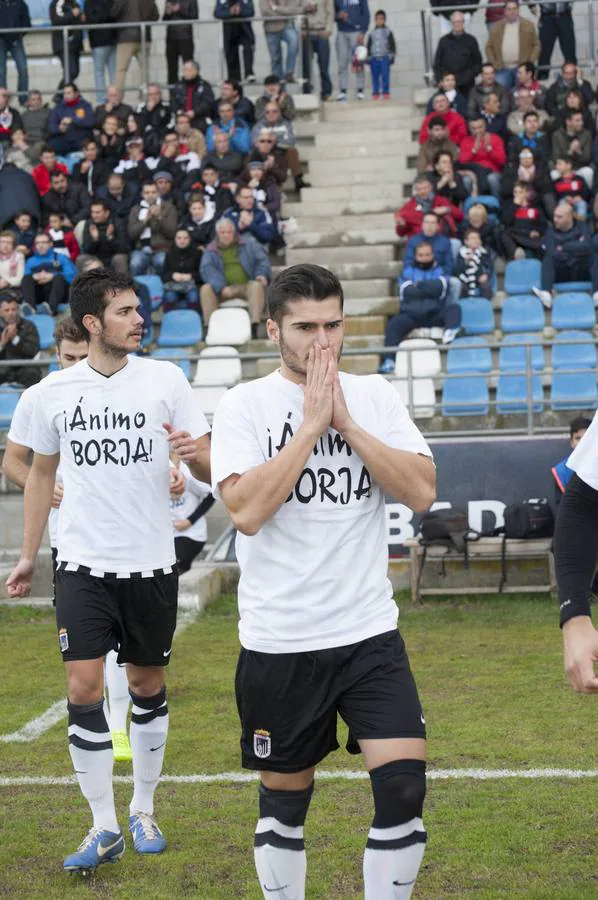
465,356
573,310
154,285
467,396
521,275
523,312
564,287
511,394
573,356
9,397
574,390
178,356
45,329
514,359
477,316
180,328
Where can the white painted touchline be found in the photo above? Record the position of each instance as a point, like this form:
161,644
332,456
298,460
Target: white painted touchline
324,775
34,729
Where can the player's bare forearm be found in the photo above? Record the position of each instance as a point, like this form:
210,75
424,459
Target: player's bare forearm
39,491
15,465
408,477
200,468
253,498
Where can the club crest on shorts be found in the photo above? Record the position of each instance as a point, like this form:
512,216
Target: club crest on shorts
63,639
262,743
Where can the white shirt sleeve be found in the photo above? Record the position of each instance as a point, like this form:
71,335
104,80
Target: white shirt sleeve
20,425
186,412
45,438
235,446
584,459
402,433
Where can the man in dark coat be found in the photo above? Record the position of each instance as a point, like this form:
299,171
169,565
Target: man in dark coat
19,339
458,52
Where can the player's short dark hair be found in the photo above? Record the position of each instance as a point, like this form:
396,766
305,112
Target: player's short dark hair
92,291
579,423
302,282
66,330
236,85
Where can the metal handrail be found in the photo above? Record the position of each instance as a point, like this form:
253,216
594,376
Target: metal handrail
428,15
159,23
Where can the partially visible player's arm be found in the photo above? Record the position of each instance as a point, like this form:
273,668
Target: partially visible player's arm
575,555
15,465
39,490
193,451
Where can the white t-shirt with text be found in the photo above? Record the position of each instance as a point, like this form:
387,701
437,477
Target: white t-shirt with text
185,504
20,433
315,575
115,514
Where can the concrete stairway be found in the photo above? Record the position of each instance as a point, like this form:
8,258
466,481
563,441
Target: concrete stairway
357,159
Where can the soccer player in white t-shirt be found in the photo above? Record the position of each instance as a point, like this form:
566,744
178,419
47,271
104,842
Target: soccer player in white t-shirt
302,460
575,556
112,421
71,347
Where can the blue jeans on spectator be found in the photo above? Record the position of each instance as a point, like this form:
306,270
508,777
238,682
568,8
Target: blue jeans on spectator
315,43
507,78
142,260
183,299
275,40
103,58
380,67
15,47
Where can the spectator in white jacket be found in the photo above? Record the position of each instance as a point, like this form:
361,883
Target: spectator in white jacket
12,263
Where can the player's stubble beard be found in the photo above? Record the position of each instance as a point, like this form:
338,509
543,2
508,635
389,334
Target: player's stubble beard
113,350
293,361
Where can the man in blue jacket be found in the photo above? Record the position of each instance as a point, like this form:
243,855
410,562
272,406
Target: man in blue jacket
71,121
428,300
570,254
249,218
234,267
47,277
237,129
561,471
352,21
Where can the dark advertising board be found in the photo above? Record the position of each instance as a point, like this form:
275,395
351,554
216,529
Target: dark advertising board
482,476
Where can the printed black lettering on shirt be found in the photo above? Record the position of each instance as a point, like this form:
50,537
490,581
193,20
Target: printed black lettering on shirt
120,449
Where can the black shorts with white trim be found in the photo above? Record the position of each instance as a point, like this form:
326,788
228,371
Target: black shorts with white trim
100,611
289,702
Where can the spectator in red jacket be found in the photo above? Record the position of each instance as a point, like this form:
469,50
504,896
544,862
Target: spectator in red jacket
410,216
485,155
41,174
457,127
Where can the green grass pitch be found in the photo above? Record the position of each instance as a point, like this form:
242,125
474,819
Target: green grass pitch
490,676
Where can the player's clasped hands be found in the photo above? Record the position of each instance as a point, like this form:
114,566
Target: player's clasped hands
324,403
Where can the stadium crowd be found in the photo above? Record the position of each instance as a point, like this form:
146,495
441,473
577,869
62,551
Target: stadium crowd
506,168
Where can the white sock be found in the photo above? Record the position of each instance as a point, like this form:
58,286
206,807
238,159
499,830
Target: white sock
90,746
392,859
280,859
118,692
148,731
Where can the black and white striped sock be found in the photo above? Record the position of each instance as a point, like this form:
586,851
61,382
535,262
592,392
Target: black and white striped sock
90,746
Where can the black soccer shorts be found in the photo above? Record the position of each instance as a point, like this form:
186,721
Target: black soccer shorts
288,702
135,615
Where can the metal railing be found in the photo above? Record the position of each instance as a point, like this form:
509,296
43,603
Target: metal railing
427,18
533,424
145,44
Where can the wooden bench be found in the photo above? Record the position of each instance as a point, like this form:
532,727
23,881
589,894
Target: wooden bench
486,548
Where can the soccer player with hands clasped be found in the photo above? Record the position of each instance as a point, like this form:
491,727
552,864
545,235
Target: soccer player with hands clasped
302,459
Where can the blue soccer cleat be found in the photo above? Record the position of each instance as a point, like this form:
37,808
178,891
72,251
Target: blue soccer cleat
147,837
100,846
